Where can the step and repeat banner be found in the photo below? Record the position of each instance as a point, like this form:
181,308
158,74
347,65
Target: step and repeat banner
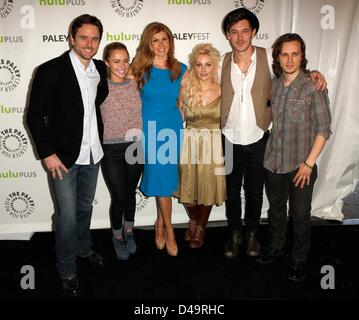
34,31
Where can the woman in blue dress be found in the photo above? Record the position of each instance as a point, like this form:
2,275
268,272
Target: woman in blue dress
159,75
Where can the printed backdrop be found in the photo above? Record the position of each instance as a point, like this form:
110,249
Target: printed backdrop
34,31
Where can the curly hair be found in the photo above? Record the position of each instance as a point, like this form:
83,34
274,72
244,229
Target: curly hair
193,87
277,48
144,54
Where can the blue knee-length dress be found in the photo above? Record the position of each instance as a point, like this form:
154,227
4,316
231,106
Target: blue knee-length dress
162,124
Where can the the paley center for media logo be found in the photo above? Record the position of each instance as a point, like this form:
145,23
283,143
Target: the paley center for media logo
13,143
6,7
255,6
19,205
127,8
141,200
9,75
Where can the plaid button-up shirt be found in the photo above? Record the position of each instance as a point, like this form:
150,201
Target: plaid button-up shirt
300,113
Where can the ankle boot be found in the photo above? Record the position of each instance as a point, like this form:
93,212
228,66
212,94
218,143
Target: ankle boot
204,212
192,212
198,238
203,215
191,230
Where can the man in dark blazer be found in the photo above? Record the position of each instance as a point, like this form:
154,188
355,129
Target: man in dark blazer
65,122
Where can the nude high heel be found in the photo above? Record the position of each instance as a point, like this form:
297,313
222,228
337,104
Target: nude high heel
171,248
159,238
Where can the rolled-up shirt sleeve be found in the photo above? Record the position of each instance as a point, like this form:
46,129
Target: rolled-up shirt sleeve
321,116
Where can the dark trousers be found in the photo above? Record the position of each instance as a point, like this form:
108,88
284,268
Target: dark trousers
278,188
121,178
247,164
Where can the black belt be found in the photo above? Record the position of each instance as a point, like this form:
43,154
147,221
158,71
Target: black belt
266,134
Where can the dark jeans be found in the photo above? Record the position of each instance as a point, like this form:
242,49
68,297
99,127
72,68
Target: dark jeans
73,200
121,178
247,164
279,187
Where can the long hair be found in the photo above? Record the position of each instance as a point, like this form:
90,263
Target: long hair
193,86
144,54
277,48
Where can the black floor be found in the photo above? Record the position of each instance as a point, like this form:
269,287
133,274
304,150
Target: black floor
202,274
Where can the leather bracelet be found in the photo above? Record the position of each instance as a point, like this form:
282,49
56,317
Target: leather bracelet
308,165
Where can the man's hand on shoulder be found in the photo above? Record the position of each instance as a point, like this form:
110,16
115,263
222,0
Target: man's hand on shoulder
319,79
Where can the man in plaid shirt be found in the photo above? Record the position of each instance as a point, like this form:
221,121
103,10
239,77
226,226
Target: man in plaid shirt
301,126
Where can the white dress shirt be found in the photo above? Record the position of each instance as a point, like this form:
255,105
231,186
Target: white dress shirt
88,80
241,127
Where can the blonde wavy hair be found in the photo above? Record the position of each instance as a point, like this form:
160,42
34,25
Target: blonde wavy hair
192,90
144,57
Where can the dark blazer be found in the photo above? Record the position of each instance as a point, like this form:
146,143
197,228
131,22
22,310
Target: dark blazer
55,112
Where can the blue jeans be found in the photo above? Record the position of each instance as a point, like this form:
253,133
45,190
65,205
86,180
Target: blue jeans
73,202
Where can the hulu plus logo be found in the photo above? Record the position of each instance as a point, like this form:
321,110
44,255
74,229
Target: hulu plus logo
11,39
62,2
17,174
189,2
122,37
6,110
